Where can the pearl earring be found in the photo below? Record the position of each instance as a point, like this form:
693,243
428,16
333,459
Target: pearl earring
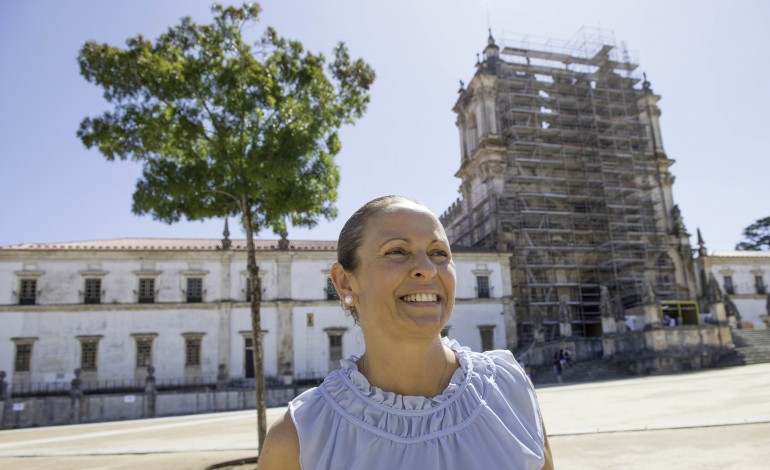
349,299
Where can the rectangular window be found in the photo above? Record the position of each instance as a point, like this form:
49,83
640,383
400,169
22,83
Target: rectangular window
331,292
482,287
248,287
194,290
27,291
759,282
93,291
23,357
143,352
146,290
88,350
487,338
729,288
335,350
248,360
192,352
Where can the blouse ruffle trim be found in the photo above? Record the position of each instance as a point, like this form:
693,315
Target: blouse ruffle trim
354,379
411,418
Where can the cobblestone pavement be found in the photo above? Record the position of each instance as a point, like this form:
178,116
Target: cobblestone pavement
716,419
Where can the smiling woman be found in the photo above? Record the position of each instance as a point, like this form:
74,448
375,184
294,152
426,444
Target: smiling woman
413,399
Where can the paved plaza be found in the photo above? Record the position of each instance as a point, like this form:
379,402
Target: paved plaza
716,419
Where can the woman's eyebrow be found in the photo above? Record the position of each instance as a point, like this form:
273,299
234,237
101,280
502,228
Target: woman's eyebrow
393,240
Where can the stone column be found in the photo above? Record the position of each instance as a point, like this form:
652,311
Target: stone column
650,306
76,397
537,325
509,316
3,387
150,392
605,308
565,320
222,376
224,311
284,316
4,395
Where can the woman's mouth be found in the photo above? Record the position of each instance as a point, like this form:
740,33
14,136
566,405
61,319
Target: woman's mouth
420,298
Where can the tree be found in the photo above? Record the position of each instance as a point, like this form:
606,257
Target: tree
222,129
757,236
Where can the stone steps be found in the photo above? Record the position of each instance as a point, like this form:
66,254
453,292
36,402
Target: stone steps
744,338
751,347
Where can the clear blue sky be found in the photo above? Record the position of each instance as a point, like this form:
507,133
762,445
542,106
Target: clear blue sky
709,60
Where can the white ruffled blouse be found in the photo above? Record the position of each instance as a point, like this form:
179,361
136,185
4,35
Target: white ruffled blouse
487,418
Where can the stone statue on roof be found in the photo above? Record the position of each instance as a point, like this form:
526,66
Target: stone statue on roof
714,291
649,297
565,316
605,303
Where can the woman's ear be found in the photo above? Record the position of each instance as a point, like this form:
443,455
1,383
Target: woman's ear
341,280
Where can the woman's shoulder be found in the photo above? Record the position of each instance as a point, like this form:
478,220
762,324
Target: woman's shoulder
281,448
497,361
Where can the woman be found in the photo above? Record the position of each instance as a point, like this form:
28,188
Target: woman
413,400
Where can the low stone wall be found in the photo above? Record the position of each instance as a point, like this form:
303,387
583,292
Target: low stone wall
582,349
652,351
50,411
663,350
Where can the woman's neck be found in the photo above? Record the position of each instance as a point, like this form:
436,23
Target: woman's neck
409,367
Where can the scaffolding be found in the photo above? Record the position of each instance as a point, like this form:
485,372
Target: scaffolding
578,209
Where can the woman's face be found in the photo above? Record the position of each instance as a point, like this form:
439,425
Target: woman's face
405,282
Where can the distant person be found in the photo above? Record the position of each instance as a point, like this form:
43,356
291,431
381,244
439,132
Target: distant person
567,356
557,367
413,400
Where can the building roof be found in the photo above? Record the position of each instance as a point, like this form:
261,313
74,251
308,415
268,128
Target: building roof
188,244
168,244
739,254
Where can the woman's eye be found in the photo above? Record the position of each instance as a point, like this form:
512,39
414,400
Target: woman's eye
440,254
396,251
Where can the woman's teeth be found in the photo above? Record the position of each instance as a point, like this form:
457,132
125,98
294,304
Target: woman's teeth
420,298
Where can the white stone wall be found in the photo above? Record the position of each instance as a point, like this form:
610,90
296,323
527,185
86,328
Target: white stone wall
742,266
483,264
312,358
466,319
293,283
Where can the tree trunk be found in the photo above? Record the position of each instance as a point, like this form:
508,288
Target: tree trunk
255,289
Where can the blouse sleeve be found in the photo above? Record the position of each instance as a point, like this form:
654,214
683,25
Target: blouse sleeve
518,390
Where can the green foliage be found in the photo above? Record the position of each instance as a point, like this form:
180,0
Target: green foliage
222,127
757,236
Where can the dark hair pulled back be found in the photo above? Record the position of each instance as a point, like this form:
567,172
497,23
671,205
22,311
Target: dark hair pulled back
352,233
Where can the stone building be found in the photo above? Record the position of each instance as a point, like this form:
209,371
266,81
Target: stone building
740,278
112,308
563,165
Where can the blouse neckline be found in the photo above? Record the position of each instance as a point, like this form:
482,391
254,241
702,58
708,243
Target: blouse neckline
390,401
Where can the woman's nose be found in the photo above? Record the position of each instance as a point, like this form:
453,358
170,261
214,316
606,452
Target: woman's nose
423,266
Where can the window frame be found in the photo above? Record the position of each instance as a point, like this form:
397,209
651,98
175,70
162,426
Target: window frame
483,288
193,349
88,291
189,298
27,299
728,284
29,345
142,288
143,353
487,335
335,352
89,359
